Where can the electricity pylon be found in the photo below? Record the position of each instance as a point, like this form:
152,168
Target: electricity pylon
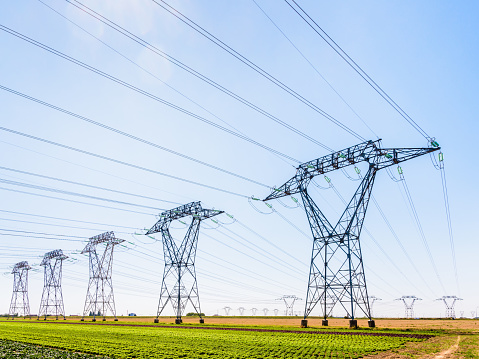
52,298
241,310
227,311
449,301
336,269
276,311
265,311
253,310
372,299
179,285
289,302
99,297
408,301
20,304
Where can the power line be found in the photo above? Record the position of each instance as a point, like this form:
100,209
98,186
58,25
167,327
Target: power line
314,68
120,162
56,225
109,128
86,185
316,28
64,219
140,91
253,66
421,231
55,190
188,69
71,200
448,218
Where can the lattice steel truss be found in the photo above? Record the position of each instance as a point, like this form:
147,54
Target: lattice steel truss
20,306
409,301
336,270
289,303
179,285
450,302
99,297
52,298
372,299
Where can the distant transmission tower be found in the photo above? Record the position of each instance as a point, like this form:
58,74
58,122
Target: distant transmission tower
179,284
372,299
462,313
265,311
19,305
52,298
449,301
276,311
241,311
289,302
227,311
336,268
253,310
408,301
99,297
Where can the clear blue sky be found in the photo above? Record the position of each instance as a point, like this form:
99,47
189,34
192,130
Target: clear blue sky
424,54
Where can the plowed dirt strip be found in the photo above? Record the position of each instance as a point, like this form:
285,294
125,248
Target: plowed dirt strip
416,336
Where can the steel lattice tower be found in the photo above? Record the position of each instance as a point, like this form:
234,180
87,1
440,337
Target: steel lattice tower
179,285
20,304
372,299
450,301
52,298
336,269
289,302
408,301
99,297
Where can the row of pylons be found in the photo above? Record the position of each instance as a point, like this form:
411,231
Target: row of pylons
99,298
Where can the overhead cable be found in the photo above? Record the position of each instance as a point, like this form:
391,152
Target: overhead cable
299,10
421,231
149,143
448,217
315,69
86,185
204,78
69,193
253,66
188,69
120,162
140,91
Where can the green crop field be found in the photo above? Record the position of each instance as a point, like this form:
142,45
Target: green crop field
159,342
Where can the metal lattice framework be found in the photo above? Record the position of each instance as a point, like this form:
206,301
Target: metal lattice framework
336,269
99,298
372,299
52,298
450,302
289,303
179,285
409,301
20,306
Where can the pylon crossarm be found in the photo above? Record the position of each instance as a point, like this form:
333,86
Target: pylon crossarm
369,151
191,209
